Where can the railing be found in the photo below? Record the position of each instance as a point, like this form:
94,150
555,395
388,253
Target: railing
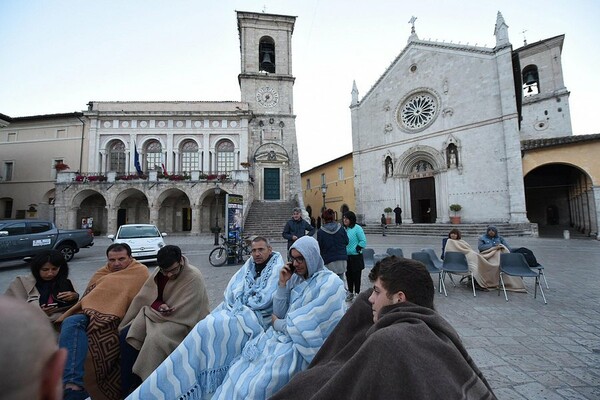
152,176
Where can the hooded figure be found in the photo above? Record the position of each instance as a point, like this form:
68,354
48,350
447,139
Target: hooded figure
306,308
491,239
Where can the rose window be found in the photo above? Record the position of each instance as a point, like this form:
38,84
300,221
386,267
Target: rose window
417,112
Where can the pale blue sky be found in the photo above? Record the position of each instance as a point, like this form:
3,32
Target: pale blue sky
55,56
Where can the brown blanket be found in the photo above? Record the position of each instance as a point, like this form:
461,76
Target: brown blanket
23,287
105,302
486,266
156,335
410,353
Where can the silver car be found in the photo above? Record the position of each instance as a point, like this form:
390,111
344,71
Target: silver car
144,239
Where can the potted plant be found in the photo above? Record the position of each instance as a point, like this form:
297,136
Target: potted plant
455,208
388,218
61,166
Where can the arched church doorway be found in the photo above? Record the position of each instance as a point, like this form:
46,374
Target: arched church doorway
558,197
422,200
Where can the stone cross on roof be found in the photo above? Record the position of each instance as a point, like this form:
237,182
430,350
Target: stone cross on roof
412,21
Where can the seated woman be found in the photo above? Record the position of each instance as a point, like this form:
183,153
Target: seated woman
485,265
47,285
454,234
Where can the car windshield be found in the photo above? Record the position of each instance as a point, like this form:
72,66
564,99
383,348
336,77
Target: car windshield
131,232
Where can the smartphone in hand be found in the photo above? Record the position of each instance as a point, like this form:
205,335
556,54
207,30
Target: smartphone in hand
51,305
167,310
291,267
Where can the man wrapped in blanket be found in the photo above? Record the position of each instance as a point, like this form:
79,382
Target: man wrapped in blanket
198,365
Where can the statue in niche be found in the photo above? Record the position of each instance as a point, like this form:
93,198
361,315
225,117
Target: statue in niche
389,166
452,155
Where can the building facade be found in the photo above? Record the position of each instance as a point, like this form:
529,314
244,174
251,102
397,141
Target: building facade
444,123
173,163
329,185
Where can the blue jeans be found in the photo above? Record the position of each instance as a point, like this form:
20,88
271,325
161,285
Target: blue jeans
73,337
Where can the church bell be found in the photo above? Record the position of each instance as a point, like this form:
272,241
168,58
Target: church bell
266,63
530,78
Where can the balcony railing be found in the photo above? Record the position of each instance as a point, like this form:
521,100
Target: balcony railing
152,176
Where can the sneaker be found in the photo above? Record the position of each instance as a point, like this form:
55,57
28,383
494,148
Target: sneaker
70,394
350,297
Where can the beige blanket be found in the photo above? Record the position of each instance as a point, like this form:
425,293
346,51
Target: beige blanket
23,287
486,266
156,335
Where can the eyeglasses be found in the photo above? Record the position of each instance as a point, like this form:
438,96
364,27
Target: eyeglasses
172,271
298,259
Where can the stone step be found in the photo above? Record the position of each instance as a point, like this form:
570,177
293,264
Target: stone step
526,229
266,218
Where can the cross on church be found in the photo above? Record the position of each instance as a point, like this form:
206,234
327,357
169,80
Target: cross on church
412,21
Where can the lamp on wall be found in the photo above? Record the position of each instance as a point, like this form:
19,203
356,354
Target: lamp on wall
217,229
324,191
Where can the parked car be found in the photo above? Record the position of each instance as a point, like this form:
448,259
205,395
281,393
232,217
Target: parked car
144,239
23,238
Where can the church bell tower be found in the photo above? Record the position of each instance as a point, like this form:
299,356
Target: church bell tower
266,84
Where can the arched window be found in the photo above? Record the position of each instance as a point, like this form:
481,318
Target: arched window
153,151
266,54
189,156
116,157
225,156
531,80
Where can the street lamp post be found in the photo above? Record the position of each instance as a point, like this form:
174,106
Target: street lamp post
324,191
217,229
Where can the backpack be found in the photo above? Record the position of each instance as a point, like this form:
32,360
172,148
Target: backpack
529,256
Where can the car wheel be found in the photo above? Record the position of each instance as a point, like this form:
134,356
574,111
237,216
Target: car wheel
67,251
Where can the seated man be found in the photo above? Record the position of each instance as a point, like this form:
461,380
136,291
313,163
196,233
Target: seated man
170,303
492,241
391,344
199,364
31,362
307,306
94,320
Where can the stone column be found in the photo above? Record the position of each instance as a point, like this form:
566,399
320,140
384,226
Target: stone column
72,218
111,219
596,214
196,209
154,214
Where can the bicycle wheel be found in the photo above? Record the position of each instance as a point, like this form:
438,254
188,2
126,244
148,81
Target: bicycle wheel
218,256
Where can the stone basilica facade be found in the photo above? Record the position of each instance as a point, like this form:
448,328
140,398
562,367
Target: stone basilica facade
444,123
191,154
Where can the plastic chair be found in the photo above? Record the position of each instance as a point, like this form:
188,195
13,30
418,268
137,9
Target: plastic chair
425,258
434,258
395,252
456,263
540,269
369,257
515,264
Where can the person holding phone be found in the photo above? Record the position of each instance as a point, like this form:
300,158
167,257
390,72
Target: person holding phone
168,306
48,285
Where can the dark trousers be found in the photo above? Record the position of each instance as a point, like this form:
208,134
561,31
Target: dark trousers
129,380
353,272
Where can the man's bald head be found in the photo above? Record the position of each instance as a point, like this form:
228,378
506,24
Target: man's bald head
31,361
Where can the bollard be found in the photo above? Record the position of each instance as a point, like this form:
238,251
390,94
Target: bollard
566,234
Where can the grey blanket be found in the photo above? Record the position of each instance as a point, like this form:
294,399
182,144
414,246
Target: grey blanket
410,353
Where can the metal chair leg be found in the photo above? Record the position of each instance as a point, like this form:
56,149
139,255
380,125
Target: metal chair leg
503,287
541,290
541,272
443,285
473,284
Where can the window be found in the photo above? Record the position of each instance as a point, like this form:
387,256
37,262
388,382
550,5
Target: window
154,155
8,171
12,137
15,229
266,54
116,157
189,156
341,173
322,179
308,183
225,156
39,227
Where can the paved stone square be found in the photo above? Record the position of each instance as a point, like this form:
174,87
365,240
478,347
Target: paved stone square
527,350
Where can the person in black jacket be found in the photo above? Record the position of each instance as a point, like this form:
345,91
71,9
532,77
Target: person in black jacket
333,240
296,227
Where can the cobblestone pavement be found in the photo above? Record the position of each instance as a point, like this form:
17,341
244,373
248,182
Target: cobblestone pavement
526,350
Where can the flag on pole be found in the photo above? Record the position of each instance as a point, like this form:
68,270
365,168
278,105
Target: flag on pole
136,161
164,170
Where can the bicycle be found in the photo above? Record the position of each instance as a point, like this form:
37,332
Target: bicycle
240,250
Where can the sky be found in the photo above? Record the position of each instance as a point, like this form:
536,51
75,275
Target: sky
57,55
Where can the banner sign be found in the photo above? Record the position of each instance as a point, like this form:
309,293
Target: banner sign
234,212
